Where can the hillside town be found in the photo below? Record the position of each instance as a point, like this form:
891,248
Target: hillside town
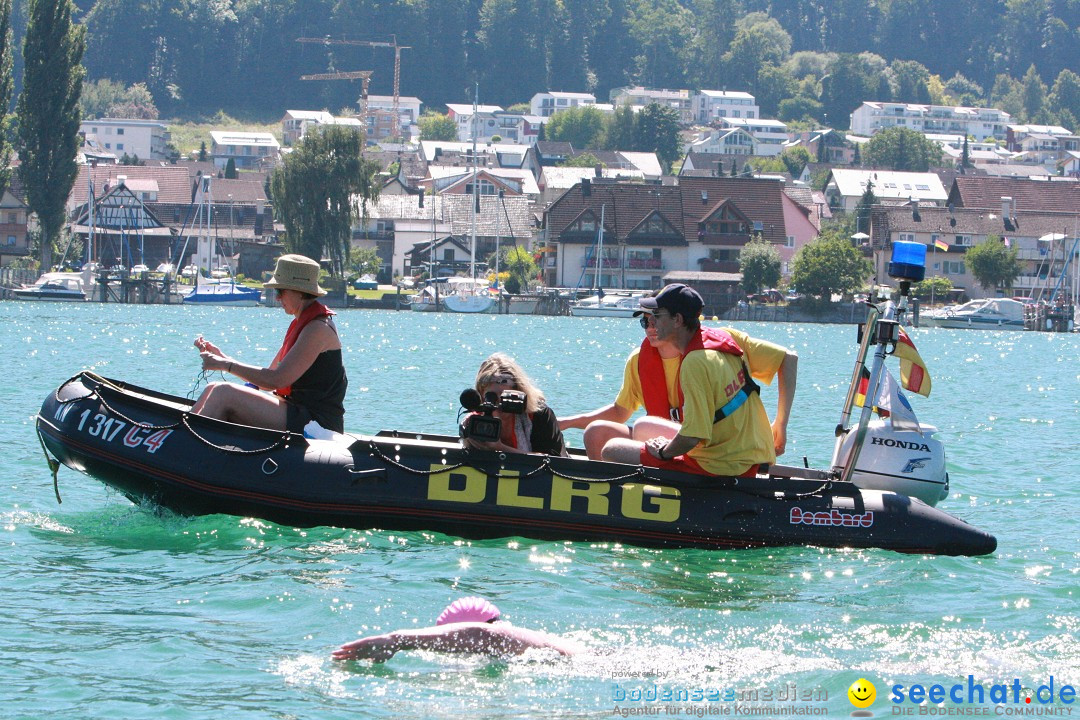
996,179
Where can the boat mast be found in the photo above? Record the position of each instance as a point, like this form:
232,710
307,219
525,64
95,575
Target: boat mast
431,248
599,252
475,188
501,201
90,240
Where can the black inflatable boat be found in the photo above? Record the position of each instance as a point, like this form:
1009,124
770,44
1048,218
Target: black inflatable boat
151,448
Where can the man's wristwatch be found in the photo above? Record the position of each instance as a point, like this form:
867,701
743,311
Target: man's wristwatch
660,453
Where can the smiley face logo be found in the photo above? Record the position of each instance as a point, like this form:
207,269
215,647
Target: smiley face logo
862,693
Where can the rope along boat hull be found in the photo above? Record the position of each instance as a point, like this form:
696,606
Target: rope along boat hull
149,447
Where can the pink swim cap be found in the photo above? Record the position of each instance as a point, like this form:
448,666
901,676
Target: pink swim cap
468,609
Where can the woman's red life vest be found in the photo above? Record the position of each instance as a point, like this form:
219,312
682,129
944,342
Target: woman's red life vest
651,370
314,311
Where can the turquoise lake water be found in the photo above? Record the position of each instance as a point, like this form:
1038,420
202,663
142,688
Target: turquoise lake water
110,610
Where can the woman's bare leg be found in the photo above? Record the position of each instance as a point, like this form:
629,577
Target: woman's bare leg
241,405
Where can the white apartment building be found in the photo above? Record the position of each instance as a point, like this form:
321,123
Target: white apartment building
408,107
247,150
639,97
845,187
769,136
296,122
462,114
548,103
978,123
495,125
145,138
712,105
727,141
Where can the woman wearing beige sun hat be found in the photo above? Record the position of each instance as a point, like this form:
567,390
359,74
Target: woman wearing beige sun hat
306,378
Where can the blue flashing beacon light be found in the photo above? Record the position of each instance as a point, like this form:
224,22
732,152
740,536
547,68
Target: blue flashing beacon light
908,261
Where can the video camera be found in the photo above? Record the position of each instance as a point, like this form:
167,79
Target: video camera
481,425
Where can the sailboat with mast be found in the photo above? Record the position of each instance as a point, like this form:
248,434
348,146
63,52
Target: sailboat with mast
470,295
605,303
209,290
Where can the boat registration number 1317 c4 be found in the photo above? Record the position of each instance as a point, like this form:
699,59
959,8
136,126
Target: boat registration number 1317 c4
469,485
111,429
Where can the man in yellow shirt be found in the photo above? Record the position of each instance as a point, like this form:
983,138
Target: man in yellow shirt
609,422
715,424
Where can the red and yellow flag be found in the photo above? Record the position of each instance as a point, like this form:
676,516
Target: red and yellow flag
941,244
913,373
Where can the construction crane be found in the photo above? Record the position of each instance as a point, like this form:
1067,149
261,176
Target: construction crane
372,43
363,75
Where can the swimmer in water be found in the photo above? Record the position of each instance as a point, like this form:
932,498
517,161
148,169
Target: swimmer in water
468,625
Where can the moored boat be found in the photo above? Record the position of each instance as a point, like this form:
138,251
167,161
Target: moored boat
153,449
984,314
468,295
609,304
55,287
228,294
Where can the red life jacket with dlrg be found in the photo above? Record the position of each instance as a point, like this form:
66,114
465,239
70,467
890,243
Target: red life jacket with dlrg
654,385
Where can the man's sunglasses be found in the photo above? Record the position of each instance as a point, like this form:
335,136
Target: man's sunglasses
647,320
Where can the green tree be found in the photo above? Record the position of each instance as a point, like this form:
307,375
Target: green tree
1065,95
620,131
910,81
993,264
437,126
1008,94
766,165
964,91
510,29
759,41
98,96
136,103
582,127
230,169
932,289
7,52
108,98
772,86
658,131
522,267
799,108
364,261
661,30
863,207
202,151
795,160
899,148
759,263
1034,92
48,112
320,189
827,265
585,160
851,80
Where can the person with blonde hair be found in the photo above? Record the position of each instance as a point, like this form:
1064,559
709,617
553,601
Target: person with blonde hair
536,430
306,378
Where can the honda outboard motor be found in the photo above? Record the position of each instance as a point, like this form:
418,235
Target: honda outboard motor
901,461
